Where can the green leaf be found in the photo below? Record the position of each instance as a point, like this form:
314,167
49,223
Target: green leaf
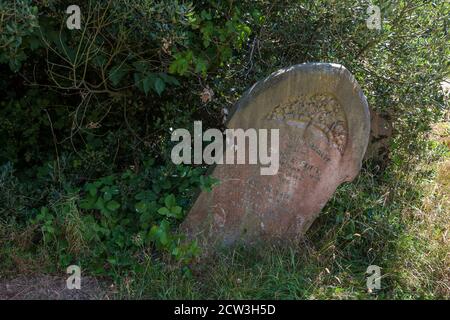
48,229
92,189
205,15
116,74
140,66
107,195
88,203
165,225
156,188
140,196
164,211
173,68
146,195
153,232
113,205
159,86
144,219
225,53
181,63
201,66
169,79
177,212
108,180
163,237
141,207
100,204
166,184
160,233
147,84
170,201
176,251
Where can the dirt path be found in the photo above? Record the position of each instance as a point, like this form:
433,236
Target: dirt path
46,287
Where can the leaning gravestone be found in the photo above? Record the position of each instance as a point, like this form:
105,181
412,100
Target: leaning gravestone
324,124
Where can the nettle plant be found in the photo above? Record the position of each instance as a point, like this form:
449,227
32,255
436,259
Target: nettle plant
123,216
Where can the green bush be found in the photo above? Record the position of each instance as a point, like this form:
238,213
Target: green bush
123,214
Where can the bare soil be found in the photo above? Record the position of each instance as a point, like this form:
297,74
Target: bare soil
46,287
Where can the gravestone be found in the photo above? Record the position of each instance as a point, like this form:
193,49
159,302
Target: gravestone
324,124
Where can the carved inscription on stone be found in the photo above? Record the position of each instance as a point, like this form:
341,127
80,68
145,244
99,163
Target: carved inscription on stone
320,110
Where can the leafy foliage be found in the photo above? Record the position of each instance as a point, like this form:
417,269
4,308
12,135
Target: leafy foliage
123,214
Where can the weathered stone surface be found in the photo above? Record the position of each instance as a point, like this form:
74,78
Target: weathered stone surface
380,135
324,125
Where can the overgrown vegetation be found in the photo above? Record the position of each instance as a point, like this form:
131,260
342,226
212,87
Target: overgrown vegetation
85,122
398,221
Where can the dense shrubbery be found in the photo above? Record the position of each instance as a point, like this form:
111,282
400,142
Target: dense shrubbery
83,111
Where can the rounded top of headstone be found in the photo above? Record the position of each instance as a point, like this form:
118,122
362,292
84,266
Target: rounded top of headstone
323,92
